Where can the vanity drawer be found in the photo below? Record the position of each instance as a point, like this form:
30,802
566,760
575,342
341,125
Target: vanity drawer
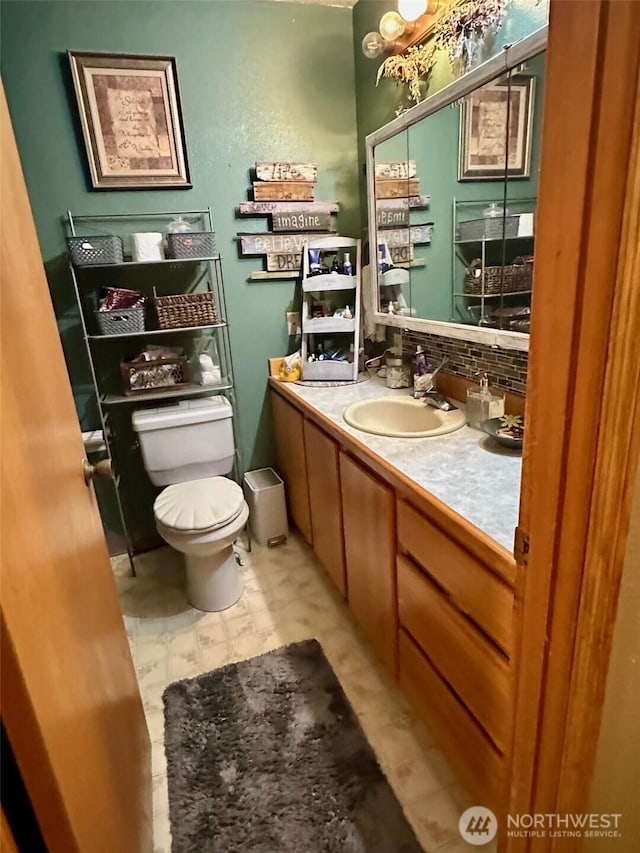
476,671
478,763
476,590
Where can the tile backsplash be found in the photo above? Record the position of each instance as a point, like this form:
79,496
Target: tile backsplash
506,368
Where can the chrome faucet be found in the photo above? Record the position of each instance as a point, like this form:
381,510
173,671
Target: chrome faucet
439,401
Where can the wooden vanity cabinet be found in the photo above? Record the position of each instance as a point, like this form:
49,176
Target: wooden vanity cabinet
455,617
432,596
289,434
368,517
323,475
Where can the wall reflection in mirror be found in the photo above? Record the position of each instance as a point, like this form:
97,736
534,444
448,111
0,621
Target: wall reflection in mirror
455,202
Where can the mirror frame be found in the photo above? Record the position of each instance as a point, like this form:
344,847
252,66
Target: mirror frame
510,58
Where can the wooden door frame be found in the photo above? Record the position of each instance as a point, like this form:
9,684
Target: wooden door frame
71,705
583,401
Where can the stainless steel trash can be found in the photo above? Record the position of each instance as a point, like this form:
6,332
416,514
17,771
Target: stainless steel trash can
264,493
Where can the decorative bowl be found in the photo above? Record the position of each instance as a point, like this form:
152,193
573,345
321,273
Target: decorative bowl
493,425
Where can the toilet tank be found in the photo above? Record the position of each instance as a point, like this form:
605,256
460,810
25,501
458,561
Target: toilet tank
189,441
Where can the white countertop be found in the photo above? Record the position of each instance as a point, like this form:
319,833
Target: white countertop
466,469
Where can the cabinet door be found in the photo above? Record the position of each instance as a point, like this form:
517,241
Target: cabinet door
289,434
324,502
369,543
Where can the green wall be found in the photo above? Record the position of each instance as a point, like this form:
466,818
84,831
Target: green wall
258,81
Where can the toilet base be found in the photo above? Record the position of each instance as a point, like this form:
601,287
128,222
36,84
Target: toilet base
213,582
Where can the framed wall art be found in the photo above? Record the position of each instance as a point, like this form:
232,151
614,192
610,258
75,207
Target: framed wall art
131,120
496,120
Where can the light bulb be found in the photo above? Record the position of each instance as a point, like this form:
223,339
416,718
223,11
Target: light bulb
391,26
412,9
373,45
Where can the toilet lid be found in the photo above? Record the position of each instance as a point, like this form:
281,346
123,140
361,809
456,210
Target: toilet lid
199,505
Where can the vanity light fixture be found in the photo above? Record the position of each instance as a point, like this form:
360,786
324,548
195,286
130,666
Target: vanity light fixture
373,45
410,10
401,29
392,26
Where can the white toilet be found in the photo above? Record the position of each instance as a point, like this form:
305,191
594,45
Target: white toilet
188,447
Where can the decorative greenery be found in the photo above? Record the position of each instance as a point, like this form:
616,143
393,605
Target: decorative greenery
466,22
409,67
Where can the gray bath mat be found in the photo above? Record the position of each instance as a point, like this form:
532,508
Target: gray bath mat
267,756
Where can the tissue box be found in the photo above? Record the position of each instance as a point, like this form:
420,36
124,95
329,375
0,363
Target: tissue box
146,246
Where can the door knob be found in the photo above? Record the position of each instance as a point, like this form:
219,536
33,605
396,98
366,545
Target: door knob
101,469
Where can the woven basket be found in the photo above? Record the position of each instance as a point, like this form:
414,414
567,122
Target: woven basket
489,228
185,309
514,278
95,250
121,321
143,376
192,244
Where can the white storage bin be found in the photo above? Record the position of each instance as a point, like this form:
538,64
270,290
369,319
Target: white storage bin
264,494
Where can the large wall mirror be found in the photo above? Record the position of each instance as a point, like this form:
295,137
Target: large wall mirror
452,187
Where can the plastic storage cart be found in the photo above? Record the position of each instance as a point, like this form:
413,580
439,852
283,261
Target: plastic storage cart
264,493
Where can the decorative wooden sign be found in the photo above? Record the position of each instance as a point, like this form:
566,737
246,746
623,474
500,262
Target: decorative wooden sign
263,275
284,262
413,202
397,169
282,191
406,236
393,217
396,188
274,244
301,221
287,172
259,208
401,254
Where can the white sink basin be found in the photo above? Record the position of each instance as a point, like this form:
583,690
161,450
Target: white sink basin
401,417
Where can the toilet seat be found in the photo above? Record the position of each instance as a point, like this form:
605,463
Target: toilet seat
199,506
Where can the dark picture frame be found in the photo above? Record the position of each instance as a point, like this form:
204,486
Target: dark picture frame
131,120
484,135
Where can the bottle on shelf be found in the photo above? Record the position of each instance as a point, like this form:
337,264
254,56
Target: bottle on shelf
178,226
493,211
347,268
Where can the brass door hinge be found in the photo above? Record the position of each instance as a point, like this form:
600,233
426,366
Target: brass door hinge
521,547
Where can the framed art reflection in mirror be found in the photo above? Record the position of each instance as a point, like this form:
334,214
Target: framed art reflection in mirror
495,129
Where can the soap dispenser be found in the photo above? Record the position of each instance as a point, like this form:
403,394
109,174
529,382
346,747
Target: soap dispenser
482,404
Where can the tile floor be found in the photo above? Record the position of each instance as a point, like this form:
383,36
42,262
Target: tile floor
287,597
